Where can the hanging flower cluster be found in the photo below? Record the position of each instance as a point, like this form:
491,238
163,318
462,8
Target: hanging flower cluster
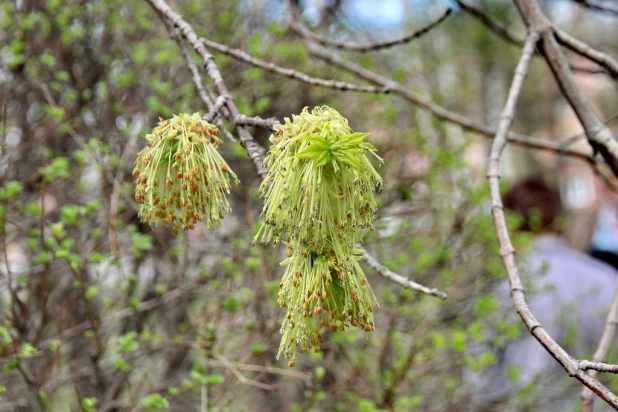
181,178
319,196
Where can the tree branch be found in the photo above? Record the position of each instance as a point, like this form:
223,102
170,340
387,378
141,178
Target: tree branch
571,42
257,121
350,46
400,280
490,23
214,111
599,135
293,74
202,91
187,32
602,59
507,251
596,7
436,110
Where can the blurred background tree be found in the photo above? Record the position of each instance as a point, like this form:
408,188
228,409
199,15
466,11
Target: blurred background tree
101,312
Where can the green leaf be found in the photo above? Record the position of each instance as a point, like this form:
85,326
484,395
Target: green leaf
43,258
91,292
70,214
258,348
154,401
59,168
127,342
54,345
122,365
10,190
27,350
89,404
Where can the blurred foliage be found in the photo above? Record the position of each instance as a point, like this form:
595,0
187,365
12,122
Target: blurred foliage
101,312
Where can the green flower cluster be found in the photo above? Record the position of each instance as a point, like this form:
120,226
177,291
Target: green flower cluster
181,178
319,196
319,188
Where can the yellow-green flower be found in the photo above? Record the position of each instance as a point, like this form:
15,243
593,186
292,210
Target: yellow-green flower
320,184
181,178
322,290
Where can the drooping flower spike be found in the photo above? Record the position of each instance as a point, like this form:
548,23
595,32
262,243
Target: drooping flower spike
320,184
318,196
181,178
322,291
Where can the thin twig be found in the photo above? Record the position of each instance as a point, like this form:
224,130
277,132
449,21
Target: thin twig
214,111
586,365
596,7
257,122
241,378
602,59
600,355
490,23
350,46
204,398
400,280
293,74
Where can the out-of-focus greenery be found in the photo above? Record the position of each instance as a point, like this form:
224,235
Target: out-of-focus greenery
101,312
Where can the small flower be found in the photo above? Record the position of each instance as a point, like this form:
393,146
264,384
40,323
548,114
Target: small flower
322,290
320,184
181,178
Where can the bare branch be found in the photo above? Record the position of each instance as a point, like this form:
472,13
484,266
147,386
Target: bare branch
166,13
578,46
242,378
438,111
597,366
293,74
269,124
202,91
599,135
490,23
582,48
596,7
219,104
350,46
400,280
507,251
609,332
